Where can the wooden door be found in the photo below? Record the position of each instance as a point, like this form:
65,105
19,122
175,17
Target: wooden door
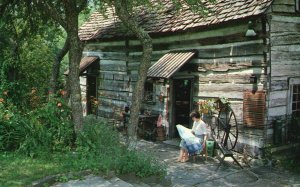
182,90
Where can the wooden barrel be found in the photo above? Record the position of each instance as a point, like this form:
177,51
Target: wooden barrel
160,134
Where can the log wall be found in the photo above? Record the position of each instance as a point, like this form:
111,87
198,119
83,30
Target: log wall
226,60
284,26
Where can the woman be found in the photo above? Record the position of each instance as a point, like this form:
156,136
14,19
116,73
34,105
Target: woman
199,130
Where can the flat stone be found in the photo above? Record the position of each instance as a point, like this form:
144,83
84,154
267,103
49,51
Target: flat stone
91,181
116,182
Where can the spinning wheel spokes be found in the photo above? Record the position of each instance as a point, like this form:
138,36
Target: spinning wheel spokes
224,128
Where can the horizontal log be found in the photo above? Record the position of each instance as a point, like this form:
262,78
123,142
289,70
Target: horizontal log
223,90
226,78
278,102
279,56
286,48
284,2
111,46
285,39
108,76
284,8
235,49
137,56
113,65
107,55
123,96
216,32
226,64
286,18
278,98
232,49
285,63
279,85
113,85
278,26
112,104
286,70
274,95
237,37
231,78
277,111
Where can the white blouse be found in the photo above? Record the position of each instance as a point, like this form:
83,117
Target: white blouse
199,128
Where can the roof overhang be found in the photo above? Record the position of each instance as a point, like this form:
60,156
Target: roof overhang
170,63
85,62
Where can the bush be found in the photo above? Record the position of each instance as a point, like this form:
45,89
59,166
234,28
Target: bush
101,143
50,129
97,137
13,127
139,163
43,130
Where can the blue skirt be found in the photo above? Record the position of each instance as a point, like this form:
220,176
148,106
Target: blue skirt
183,144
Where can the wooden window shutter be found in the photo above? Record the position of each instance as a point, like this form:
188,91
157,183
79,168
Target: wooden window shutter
254,107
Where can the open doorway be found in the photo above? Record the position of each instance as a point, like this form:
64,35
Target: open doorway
182,102
91,94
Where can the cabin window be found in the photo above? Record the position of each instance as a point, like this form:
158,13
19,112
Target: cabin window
149,92
296,100
297,5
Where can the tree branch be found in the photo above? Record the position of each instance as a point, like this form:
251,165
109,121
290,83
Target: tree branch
82,5
56,65
50,10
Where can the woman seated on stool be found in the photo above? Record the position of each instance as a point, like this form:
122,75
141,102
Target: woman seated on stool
199,130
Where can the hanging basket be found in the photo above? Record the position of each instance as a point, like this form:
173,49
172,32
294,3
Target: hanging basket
221,106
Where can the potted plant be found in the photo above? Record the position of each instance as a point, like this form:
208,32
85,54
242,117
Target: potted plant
222,104
207,106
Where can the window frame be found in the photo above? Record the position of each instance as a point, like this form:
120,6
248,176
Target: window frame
153,92
297,6
292,83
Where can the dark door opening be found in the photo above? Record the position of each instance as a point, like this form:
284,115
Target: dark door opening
182,102
91,94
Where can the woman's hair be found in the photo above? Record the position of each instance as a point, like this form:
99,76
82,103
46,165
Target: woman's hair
195,114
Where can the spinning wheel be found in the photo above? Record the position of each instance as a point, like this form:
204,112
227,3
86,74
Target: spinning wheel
224,127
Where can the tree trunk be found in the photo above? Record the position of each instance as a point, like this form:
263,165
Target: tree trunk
56,66
75,53
146,41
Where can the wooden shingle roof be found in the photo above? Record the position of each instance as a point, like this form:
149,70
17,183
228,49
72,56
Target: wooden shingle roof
167,19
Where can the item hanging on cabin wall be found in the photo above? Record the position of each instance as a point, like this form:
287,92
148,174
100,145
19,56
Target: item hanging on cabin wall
161,97
166,117
159,121
166,125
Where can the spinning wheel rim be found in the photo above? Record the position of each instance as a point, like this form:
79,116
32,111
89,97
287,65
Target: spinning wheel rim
223,126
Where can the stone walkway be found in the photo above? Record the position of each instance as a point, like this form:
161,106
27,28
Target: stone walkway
198,173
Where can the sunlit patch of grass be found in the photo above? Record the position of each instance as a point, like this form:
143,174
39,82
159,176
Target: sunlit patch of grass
19,170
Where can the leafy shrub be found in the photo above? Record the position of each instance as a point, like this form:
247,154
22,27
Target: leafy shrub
100,143
139,163
12,127
50,129
42,130
97,137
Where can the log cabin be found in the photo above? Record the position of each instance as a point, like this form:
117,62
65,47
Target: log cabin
247,51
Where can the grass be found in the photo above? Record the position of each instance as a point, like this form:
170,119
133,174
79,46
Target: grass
98,149
19,170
